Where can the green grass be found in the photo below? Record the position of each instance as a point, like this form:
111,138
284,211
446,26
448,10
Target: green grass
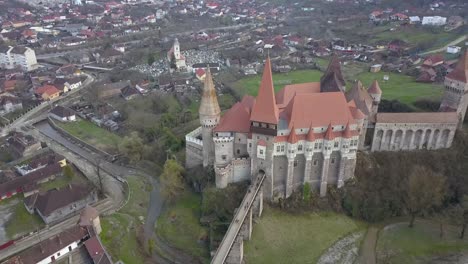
92,134
180,226
401,87
250,85
119,237
417,35
418,244
22,222
280,237
119,233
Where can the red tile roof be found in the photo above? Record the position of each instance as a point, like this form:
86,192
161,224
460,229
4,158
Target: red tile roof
311,135
321,109
47,89
97,251
347,132
460,73
237,119
284,96
265,109
292,136
329,135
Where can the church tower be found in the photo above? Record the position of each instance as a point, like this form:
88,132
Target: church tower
209,113
176,49
456,89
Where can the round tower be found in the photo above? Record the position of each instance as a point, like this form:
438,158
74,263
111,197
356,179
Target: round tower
209,113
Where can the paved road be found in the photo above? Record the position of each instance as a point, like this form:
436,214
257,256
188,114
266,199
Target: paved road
444,48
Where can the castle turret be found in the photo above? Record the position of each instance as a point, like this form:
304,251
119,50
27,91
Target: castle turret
209,118
376,93
456,89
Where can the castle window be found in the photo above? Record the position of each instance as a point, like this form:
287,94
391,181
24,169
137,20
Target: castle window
315,162
261,152
320,145
239,139
299,147
223,157
282,148
277,148
336,144
295,163
263,125
250,145
332,161
238,151
316,146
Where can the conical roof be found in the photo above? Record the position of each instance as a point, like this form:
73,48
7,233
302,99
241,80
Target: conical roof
329,134
265,109
374,88
311,135
332,80
292,136
347,132
361,97
460,73
209,102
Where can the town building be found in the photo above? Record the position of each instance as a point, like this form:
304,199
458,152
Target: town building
22,145
56,205
62,114
22,57
310,132
9,104
175,57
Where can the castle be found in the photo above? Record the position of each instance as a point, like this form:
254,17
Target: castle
311,132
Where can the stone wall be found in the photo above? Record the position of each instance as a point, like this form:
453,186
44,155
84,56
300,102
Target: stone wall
194,149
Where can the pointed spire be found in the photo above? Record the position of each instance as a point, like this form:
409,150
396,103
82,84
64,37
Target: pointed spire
311,135
460,73
265,109
347,132
332,80
374,88
209,102
292,136
329,134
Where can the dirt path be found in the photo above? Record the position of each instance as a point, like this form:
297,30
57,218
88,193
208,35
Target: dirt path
367,255
458,40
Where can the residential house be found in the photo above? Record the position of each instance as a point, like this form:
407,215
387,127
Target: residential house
55,248
28,183
22,145
453,49
58,204
67,71
414,20
9,85
433,60
10,104
376,68
108,56
62,114
397,46
434,21
129,92
112,89
399,17
47,92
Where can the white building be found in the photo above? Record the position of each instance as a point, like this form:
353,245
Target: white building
453,49
22,57
434,21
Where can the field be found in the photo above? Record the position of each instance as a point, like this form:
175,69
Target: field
416,35
400,244
249,85
401,87
179,225
92,134
22,222
280,237
119,231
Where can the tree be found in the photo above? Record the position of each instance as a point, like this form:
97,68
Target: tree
151,59
425,190
459,213
132,147
68,172
306,192
172,183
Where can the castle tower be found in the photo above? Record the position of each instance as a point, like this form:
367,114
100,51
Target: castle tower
332,80
209,118
456,89
376,93
264,121
90,217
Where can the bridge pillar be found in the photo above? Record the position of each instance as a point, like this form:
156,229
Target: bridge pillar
247,226
324,178
258,204
236,254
